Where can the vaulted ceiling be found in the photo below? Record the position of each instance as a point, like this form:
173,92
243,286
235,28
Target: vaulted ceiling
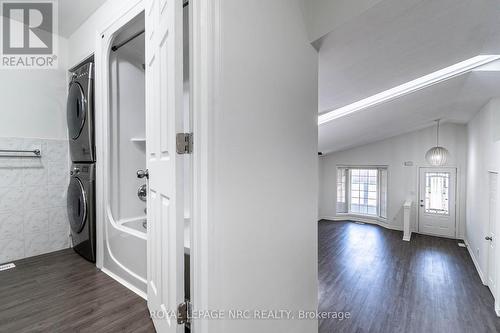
393,42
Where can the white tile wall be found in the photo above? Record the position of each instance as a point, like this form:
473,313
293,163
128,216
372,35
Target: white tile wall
33,218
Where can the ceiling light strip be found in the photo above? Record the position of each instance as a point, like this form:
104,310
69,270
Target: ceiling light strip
410,87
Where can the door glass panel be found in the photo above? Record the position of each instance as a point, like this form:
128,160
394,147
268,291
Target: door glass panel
437,193
76,110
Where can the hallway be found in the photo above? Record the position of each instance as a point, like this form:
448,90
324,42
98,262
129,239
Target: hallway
388,285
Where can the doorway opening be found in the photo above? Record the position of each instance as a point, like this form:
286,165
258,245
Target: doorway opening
137,128
125,223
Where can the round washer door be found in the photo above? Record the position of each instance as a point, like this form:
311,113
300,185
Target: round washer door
77,205
76,110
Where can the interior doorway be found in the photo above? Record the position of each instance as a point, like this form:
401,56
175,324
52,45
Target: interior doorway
437,198
145,179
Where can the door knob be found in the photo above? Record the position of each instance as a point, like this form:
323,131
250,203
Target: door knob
143,174
142,192
488,238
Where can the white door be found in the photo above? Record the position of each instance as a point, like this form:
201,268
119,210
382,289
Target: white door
437,201
490,237
164,117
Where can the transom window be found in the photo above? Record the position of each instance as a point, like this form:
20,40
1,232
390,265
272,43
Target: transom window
362,191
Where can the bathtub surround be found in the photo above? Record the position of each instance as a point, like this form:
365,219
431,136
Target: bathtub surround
33,217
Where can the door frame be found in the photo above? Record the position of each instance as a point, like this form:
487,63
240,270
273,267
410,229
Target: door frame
457,198
205,69
205,74
104,40
495,252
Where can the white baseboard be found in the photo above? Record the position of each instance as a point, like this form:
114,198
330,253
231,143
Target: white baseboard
476,263
125,283
366,220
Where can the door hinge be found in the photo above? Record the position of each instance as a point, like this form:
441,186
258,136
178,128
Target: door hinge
184,143
184,313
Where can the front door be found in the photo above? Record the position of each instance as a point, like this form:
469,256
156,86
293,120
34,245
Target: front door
490,237
164,109
437,201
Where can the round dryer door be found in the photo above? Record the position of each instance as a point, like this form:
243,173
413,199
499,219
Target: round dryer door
77,110
77,205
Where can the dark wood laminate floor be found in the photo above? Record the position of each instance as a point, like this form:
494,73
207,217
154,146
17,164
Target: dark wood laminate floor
61,292
388,285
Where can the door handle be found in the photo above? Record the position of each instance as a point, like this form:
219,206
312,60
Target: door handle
488,238
142,192
143,174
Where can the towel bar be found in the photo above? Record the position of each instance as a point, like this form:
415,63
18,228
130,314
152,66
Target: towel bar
36,152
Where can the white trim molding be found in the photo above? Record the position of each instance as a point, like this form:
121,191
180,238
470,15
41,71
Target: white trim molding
206,58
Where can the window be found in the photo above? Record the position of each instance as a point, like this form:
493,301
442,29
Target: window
364,188
341,190
437,193
362,191
383,193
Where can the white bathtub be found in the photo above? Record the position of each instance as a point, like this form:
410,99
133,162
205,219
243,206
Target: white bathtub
137,224
126,252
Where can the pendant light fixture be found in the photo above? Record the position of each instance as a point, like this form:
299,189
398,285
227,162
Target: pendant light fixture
437,156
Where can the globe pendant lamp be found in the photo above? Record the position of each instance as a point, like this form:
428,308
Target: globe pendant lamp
437,156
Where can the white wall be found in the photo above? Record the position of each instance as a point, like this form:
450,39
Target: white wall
82,43
34,101
483,157
323,16
263,202
403,181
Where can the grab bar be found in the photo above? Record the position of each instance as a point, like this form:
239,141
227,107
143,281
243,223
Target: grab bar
36,152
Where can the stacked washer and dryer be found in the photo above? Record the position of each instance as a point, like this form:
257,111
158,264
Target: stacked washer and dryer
81,190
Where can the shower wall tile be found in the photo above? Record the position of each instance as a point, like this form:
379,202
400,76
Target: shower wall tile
58,173
36,221
33,218
57,151
36,244
11,249
57,196
35,197
58,218
11,226
59,239
11,176
34,176
11,198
